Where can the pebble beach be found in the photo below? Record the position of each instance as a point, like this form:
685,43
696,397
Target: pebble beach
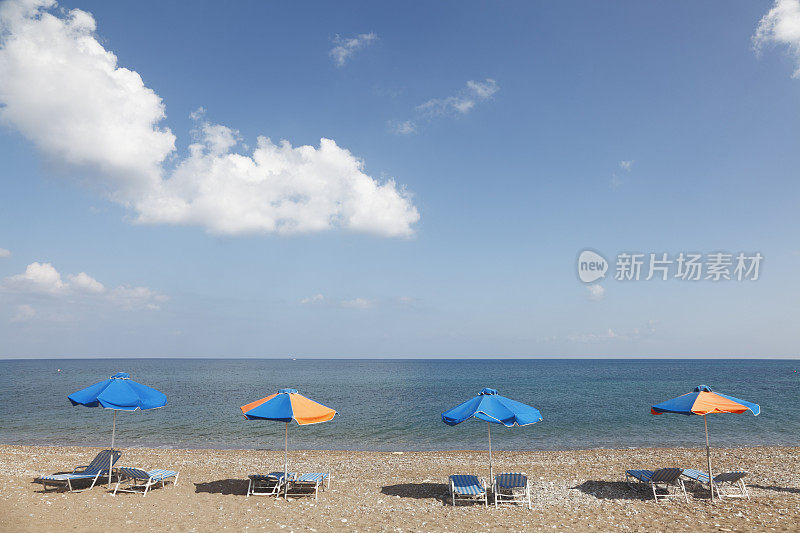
580,490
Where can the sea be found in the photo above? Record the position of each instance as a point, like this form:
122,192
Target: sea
396,405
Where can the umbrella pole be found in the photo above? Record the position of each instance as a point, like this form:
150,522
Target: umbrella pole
491,472
111,457
708,459
286,462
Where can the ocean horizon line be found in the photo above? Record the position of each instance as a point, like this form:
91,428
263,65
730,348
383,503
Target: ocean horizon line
409,358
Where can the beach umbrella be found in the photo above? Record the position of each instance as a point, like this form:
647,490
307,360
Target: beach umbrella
120,393
488,405
284,406
703,401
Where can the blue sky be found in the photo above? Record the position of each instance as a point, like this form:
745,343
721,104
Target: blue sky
479,147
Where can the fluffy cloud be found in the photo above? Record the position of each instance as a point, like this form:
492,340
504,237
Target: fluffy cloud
317,298
38,278
44,279
83,282
4,253
345,47
280,188
459,104
626,165
781,26
103,118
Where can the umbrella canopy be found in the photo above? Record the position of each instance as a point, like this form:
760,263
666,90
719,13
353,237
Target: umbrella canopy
284,406
488,405
287,405
703,401
120,393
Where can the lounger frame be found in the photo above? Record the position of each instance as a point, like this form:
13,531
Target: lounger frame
141,481
98,467
506,489
730,479
267,485
473,497
307,484
661,478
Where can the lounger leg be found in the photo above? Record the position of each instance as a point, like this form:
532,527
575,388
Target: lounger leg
744,488
69,484
683,487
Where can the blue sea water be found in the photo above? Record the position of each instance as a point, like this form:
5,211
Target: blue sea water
396,404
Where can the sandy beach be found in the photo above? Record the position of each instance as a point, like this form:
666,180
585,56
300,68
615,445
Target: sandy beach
383,491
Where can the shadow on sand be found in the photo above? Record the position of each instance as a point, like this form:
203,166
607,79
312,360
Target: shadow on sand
418,491
223,486
619,490
790,490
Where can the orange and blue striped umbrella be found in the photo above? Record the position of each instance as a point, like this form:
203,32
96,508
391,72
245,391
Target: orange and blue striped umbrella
284,406
287,405
703,401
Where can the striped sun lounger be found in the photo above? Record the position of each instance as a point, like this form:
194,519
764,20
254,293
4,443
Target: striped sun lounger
267,484
98,467
307,484
512,488
468,487
661,478
734,479
140,480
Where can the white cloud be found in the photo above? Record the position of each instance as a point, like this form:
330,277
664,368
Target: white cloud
44,279
136,297
459,104
104,119
596,292
406,127
4,253
24,313
781,26
312,299
345,47
85,283
357,303
38,278
616,179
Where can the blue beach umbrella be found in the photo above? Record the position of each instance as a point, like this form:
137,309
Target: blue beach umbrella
488,405
703,401
120,393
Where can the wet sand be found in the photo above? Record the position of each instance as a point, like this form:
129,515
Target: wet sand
383,491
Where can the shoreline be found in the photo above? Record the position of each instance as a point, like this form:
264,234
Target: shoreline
392,491
407,451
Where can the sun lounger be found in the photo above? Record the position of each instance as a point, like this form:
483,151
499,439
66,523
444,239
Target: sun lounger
307,484
98,467
662,478
733,479
140,480
512,488
267,484
468,487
